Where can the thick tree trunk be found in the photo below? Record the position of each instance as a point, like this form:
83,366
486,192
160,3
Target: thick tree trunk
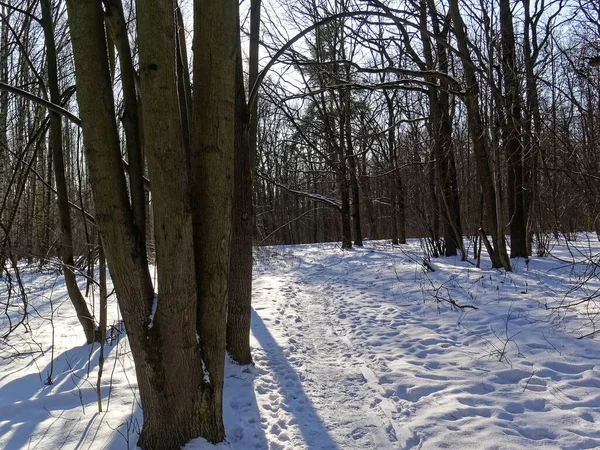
177,408
114,218
239,309
64,215
212,157
176,391
512,136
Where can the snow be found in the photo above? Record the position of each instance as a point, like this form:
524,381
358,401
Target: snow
206,377
358,349
153,312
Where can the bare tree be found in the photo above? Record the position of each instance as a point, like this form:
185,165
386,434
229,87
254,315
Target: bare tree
178,336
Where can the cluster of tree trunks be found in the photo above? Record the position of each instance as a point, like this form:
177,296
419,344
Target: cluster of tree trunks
386,138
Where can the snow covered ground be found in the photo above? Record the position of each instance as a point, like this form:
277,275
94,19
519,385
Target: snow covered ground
358,349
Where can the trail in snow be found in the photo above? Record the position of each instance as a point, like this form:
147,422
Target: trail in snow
353,350
360,356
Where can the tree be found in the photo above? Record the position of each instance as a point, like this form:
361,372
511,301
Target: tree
441,130
177,337
4,52
239,303
512,136
498,253
64,214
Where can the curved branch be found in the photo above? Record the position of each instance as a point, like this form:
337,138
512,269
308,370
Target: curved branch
316,197
296,38
40,101
22,11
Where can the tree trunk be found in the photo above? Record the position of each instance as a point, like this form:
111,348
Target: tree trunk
366,187
477,132
532,127
255,6
131,121
441,129
172,415
401,205
64,215
434,218
512,136
239,305
391,144
346,105
342,183
353,182
212,157
3,127
239,309
176,392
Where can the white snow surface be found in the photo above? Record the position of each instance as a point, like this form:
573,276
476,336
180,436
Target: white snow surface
356,349
153,311
206,373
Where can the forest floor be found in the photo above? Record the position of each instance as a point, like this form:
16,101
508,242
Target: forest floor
358,349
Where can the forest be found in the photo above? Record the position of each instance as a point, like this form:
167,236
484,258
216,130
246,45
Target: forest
207,194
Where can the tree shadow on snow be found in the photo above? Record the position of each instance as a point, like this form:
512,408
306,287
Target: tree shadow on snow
62,392
313,430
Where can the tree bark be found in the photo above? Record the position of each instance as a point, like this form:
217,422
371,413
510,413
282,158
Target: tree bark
342,183
441,129
339,145
173,390
346,106
512,136
212,157
177,409
532,127
239,310
366,187
353,184
239,305
130,119
255,6
401,204
391,144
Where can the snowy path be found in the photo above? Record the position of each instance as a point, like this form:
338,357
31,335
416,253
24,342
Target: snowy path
353,350
332,384
341,379
356,360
